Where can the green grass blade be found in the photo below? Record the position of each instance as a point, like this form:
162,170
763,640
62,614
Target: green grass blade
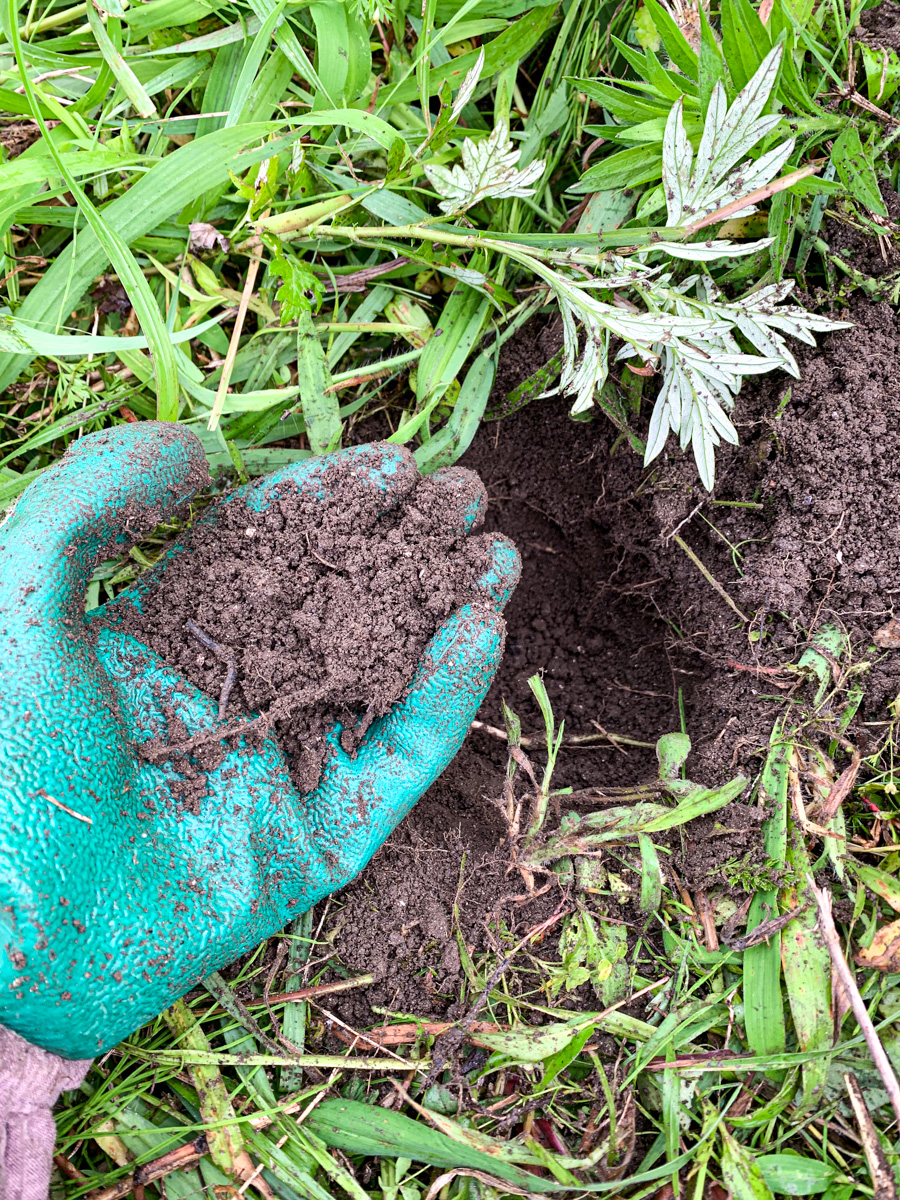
763,1004
258,48
116,250
125,77
174,182
320,406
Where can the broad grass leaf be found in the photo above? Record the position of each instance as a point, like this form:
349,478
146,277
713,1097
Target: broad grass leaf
369,1130
320,406
443,448
791,1175
447,350
763,1004
807,972
856,172
741,1173
502,51
159,193
122,259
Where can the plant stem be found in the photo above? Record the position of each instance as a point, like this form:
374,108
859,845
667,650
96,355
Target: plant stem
830,936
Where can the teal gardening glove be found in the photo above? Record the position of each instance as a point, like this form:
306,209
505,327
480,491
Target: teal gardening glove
110,911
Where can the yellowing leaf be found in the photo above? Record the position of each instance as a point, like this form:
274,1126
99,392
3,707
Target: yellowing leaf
884,952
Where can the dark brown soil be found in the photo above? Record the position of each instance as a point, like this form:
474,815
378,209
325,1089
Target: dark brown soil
621,622
880,27
324,605
870,256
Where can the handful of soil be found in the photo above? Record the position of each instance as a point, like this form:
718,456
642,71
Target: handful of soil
316,610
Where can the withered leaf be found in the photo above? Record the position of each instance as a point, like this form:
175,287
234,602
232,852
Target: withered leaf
884,953
206,237
888,636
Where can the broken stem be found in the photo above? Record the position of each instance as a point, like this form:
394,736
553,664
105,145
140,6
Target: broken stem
873,1041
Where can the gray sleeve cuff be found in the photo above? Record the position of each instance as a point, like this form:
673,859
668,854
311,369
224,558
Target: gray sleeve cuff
31,1080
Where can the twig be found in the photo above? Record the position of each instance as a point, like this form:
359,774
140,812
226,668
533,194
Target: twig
469,1020
761,932
708,576
873,1041
707,918
755,197
223,654
839,790
234,344
322,989
885,1187
578,739
59,804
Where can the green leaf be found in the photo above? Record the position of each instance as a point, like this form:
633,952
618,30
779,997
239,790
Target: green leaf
763,1004
741,1172
673,39
554,1063
745,40
621,103
882,69
300,288
791,1175
626,169
711,64
856,171
179,178
320,406
651,875
672,752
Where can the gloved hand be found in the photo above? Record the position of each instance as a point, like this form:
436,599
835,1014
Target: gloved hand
110,908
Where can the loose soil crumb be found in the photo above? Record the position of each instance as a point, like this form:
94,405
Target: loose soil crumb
324,605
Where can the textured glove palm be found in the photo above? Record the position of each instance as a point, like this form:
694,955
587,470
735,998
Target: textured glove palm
110,908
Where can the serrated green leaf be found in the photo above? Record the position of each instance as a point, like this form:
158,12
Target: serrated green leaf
301,290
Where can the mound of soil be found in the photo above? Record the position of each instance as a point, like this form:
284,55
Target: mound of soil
628,632
319,608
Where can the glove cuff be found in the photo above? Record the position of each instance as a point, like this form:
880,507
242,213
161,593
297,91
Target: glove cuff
31,1080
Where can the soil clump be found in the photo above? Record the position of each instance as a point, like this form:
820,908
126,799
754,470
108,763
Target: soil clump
318,606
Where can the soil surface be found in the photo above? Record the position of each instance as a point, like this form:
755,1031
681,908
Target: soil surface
319,606
880,27
627,631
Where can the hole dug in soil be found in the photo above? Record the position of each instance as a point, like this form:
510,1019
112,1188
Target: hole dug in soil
800,534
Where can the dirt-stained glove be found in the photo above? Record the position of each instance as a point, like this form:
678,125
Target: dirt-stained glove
111,907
